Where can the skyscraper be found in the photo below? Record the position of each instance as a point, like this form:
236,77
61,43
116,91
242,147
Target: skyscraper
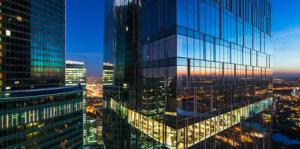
188,73
75,74
36,109
107,76
32,44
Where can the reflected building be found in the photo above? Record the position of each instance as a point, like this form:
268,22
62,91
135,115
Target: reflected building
188,74
36,109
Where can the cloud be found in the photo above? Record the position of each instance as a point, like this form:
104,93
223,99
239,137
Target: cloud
287,50
287,33
286,40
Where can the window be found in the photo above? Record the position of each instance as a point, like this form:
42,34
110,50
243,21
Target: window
182,46
19,18
8,33
182,12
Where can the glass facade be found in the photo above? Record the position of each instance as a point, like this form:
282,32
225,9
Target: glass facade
198,131
36,109
32,44
44,118
188,72
75,73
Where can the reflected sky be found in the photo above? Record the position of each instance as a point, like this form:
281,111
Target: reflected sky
85,34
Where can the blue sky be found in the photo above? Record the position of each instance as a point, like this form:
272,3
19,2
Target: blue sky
286,36
84,33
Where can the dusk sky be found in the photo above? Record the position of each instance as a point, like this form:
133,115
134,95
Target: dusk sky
84,34
286,36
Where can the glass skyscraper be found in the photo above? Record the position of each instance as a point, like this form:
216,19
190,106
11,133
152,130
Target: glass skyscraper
75,74
107,75
36,109
188,74
32,44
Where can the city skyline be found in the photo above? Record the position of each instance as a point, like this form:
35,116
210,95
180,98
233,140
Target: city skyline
87,27
165,74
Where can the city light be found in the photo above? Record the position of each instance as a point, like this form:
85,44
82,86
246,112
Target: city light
157,74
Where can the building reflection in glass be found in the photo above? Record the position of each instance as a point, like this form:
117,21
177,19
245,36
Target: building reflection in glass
187,71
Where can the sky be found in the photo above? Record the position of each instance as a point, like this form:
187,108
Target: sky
286,37
84,35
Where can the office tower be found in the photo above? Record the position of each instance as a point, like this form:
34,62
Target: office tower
36,109
188,73
32,45
75,74
107,75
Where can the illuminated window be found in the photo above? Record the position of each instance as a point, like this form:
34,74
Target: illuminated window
8,33
19,18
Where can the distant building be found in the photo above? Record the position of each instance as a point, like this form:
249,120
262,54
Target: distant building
75,73
295,92
36,109
107,75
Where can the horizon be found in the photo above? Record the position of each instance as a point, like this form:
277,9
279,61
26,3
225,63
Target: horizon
174,74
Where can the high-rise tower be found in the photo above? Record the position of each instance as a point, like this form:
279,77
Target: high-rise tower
32,44
36,110
75,74
188,73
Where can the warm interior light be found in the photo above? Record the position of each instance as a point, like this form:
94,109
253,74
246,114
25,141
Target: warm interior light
19,18
8,33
